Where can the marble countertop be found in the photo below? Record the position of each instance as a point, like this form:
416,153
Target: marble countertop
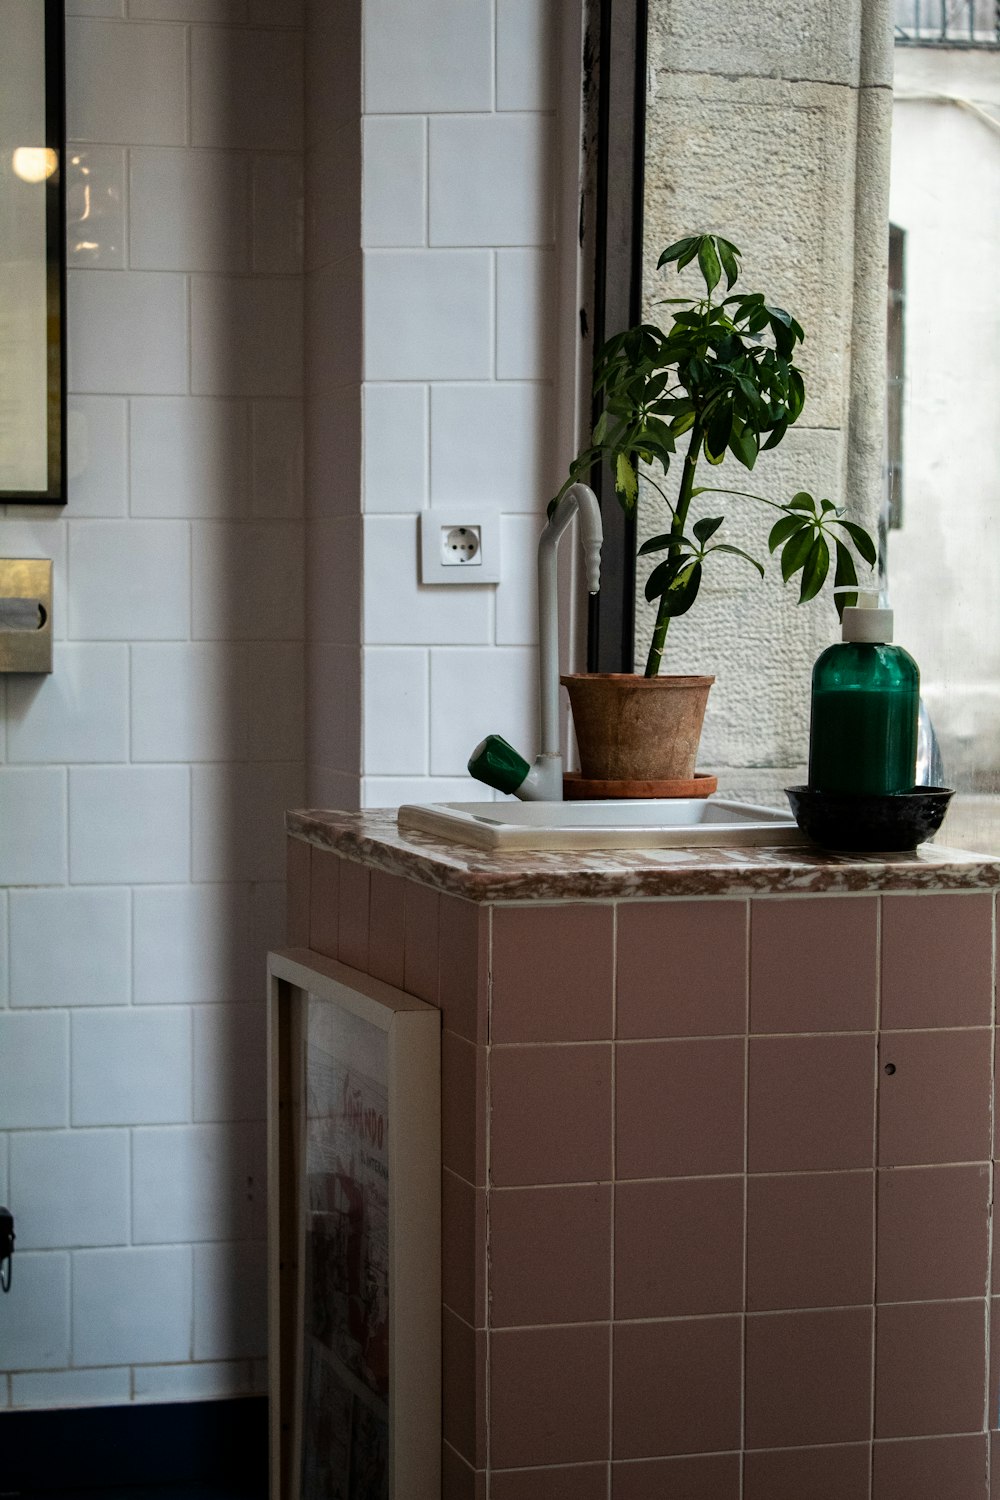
372,838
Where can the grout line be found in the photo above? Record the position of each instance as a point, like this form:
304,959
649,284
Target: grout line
879,913
989,1397
427,181
614,1191
487,1311
748,931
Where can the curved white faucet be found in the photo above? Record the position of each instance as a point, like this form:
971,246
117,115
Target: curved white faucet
494,761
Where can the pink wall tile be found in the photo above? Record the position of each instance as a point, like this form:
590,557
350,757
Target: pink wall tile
810,1240
808,1377
578,1482
463,956
713,1477
813,964
550,1255
553,973
463,1388
840,1473
324,902
811,1103
937,960
385,936
930,1369
706,994
458,1480
463,1248
355,883
679,1108
679,1247
933,1233
677,1387
463,1108
549,1395
297,854
934,1106
550,1114
420,942
950,1468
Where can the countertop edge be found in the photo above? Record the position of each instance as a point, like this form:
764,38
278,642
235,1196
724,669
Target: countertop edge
371,838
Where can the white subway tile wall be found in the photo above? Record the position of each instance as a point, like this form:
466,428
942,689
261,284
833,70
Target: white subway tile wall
142,787
143,784
460,298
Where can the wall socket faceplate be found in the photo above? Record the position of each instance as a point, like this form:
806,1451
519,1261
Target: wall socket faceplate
460,545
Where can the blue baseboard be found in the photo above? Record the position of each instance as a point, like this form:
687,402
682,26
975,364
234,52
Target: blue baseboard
220,1443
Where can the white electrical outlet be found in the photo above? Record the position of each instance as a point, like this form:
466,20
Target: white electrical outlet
460,545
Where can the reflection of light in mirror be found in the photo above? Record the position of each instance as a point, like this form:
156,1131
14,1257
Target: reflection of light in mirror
86,245
34,163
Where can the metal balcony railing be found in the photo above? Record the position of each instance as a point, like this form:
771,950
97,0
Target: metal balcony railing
948,23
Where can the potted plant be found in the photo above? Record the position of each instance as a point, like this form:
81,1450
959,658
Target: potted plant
721,379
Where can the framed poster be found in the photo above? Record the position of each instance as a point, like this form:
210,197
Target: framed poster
354,1235
32,253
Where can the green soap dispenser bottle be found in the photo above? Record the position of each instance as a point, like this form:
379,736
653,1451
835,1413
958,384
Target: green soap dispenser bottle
865,702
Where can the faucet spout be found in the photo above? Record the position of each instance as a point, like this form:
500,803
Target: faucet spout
579,500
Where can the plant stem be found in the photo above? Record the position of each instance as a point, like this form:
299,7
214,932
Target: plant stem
676,531
713,489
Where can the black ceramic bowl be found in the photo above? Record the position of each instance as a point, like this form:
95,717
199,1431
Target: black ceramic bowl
847,821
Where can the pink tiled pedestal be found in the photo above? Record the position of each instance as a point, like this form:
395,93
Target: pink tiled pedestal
718,1175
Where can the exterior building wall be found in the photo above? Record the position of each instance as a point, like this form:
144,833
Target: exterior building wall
944,563
774,130
143,784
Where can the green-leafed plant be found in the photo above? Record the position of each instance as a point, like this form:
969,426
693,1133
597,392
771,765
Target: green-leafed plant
723,378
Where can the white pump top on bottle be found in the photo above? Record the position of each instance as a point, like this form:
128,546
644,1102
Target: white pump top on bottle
865,621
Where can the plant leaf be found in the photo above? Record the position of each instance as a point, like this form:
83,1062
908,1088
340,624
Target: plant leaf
796,551
672,252
861,540
707,527
782,530
679,595
845,575
657,543
626,482
738,552
777,433
802,501
730,258
708,260
743,445
719,429
663,575
816,568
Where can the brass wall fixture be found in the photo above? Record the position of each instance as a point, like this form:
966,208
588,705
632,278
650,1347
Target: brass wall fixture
25,614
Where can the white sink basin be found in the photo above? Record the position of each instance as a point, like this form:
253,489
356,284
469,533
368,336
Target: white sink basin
662,823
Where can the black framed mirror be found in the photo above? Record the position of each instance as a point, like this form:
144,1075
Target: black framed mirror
32,253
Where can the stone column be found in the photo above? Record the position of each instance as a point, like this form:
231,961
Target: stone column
772,126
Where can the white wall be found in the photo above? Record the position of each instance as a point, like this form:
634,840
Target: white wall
449,247
944,563
142,785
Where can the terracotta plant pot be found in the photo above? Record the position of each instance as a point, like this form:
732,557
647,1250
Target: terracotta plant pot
632,728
